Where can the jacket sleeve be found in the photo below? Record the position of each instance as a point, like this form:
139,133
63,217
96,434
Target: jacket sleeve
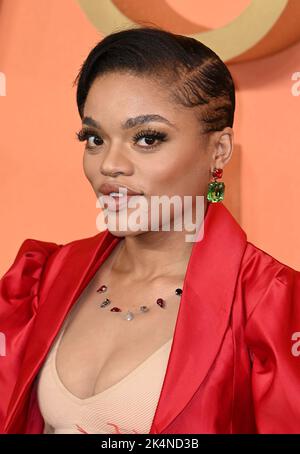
19,297
272,334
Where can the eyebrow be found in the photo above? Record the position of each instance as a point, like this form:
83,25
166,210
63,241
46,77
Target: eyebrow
132,122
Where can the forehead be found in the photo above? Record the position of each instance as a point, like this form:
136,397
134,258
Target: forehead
120,95
124,86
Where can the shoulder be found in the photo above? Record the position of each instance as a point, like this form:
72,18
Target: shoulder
270,291
263,277
31,261
31,246
31,255
41,248
261,261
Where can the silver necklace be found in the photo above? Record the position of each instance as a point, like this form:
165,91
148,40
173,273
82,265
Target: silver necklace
129,315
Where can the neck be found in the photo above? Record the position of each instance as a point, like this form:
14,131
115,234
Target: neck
151,254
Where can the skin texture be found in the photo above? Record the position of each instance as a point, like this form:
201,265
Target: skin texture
180,165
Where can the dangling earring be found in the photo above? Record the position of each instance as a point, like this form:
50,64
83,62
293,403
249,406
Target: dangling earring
216,189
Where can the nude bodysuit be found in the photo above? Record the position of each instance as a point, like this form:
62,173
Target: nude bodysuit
126,407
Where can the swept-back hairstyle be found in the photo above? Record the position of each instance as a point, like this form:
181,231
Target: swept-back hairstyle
191,72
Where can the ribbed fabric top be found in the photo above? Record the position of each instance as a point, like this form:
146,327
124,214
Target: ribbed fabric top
126,407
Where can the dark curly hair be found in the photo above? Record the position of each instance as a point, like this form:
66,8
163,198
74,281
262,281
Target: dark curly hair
193,74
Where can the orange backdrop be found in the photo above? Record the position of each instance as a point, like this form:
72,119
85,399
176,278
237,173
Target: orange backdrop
44,193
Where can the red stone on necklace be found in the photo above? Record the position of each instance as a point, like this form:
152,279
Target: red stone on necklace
160,302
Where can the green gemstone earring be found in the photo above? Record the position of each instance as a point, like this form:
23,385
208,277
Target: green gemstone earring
216,189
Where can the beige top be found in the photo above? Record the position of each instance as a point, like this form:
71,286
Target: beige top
126,407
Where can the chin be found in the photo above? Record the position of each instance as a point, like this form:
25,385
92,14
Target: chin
124,233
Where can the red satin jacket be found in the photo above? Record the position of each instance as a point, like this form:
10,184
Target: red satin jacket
234,364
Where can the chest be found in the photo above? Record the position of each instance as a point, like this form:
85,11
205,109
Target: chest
98,347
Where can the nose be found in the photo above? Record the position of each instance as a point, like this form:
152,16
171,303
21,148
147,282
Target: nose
113,173
115,163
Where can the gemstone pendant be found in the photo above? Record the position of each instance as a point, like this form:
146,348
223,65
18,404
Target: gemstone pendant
215,191
144,309
217,173
102,289
105,302
160,302
128,316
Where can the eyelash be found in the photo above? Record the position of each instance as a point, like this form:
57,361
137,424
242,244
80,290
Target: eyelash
85,134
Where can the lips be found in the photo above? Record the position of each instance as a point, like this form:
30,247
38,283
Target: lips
116,203
107,188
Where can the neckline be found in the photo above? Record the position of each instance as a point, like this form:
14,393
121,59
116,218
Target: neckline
107,391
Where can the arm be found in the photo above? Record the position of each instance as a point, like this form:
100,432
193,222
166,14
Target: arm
270,336
19,296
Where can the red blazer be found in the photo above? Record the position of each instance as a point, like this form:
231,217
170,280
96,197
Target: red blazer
234,364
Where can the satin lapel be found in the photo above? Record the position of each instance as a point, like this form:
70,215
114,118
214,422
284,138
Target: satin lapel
73,267
203,316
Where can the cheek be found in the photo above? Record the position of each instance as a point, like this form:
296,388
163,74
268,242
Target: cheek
191,168
183,168
89,168
167,166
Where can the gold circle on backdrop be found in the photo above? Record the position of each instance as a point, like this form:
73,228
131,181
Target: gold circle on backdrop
228,42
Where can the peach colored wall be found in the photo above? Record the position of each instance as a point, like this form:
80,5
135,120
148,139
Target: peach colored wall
44,193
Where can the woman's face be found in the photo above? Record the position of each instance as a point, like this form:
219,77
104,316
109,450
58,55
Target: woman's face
161,156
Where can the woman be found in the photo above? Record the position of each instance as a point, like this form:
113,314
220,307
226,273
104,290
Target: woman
139,330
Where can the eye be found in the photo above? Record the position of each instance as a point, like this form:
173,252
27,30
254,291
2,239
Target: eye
150,136
93,140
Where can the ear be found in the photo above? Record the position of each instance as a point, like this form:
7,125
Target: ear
222,148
